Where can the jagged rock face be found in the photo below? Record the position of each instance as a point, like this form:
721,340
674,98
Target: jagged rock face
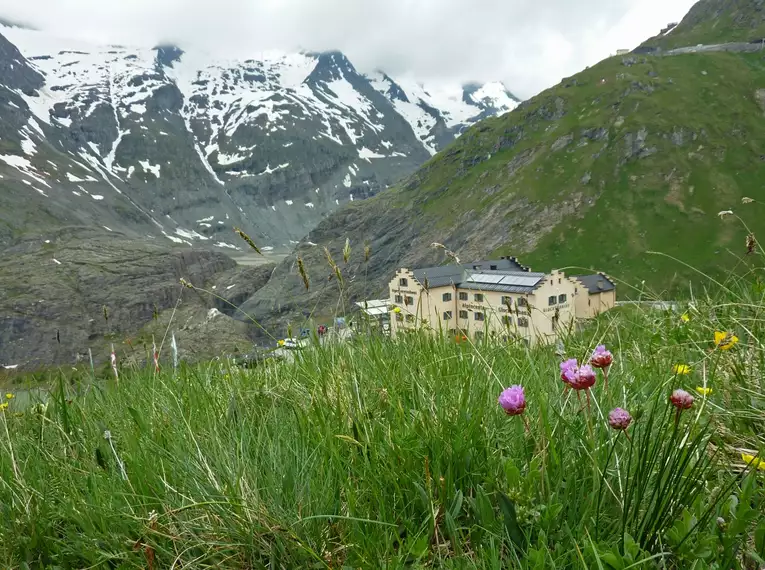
181,146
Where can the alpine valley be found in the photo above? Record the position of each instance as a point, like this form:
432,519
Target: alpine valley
157,150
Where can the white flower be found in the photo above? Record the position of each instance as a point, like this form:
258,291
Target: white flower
725,213
746,200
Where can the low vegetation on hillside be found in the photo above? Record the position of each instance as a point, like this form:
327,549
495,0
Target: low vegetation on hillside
409,453
715,21
620,168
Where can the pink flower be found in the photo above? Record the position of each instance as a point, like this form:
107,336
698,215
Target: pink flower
585,378
579,378
681,399
601,358
568,370
513,400
619,419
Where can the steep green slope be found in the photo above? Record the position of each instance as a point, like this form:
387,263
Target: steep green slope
633,155
716,21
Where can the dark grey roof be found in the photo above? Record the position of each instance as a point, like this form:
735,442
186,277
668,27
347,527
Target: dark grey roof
480,280
439,276
454,274
597,283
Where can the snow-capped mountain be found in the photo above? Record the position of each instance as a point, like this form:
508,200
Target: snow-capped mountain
165,142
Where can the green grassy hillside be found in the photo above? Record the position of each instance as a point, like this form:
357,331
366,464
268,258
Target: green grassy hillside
397,455
632,156
716,21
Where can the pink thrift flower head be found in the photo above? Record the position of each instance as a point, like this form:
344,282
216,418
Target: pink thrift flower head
513,400
568,369
619,419
585,378
681,399
601,358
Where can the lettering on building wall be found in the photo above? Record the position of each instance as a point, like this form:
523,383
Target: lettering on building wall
555,308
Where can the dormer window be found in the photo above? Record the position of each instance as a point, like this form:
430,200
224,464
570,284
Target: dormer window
403,282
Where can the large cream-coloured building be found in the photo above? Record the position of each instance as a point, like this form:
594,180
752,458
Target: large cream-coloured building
500,299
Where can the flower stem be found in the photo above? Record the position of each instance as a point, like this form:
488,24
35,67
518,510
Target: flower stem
600,487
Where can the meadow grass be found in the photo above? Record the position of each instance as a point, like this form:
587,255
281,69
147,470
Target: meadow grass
383,453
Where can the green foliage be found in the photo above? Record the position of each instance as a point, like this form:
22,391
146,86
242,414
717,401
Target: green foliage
395,453
714,22
631,156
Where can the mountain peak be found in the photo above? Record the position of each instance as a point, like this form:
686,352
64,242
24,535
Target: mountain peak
8,23
167,54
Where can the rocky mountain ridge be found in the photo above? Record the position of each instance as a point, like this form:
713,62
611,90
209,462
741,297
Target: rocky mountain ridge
183,146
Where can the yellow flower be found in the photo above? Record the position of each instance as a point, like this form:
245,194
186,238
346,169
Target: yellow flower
9,396
685,317
397,310
703,391
4,406
280,342
681,369
754,461
725,341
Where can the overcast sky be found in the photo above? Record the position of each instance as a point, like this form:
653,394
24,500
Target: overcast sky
528,44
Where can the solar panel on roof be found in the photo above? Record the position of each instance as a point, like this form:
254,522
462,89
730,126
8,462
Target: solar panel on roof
521,281
485,278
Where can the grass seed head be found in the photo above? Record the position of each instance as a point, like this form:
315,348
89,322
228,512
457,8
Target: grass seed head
249,241
303,273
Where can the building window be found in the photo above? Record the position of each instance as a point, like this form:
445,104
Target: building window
446,297
493,267
410,318
552,300
576,290
447,315
479,335
463,296
453,332
523,322
559,280
399,299
463,314
478,298
478,316
403,282
399,317
507,320
562,298
589,302
408,300
522,301
507,301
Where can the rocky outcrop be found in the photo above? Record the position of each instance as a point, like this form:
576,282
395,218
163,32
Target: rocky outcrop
79,289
